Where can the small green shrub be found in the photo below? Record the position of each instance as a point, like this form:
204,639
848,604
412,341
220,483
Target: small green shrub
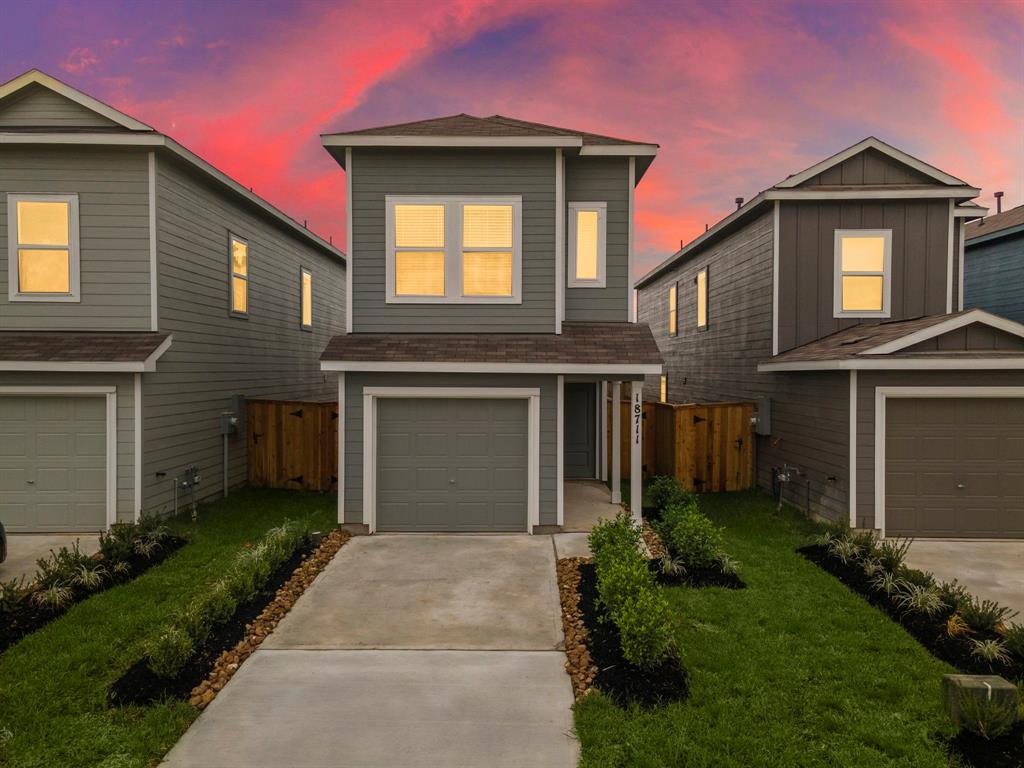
665,491
989,718
985,615
11,594
55,597
672,566
170,652
61,566
864,544
1013,639
954,594
892,553
116,543
90,576
886,582
645,628
621,531
916,577
919,599
844,550
692,536
991,651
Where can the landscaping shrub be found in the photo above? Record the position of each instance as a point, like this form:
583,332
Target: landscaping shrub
691,536
11,593
985,615
170,652
989,718
621,531
1013,639
665,491
892,553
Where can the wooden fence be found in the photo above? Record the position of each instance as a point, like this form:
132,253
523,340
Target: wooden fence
293,444
706,446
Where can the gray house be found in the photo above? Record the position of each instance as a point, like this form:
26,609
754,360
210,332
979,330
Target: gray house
835,299
141,292
994,264
489,309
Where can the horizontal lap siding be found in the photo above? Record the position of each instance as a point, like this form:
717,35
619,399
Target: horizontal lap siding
994,277
355,382
42,107
113,199
601,179
379,172
213,355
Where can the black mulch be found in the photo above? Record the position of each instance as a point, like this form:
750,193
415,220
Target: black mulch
697,577
1005,752
140,685
930,631
623,682
27,618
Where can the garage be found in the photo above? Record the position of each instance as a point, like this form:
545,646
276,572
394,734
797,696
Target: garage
53,463
452,464
954,467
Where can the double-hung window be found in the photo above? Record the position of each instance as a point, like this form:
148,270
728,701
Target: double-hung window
587,244
673,306
306,299
863,272
239,265
43,254
460,250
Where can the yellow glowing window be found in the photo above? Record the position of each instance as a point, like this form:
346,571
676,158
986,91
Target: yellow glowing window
419,254
307,299
44,266
587,245
702,299
239,276
419,226
673,324
487,250
664,389
862,267
419,273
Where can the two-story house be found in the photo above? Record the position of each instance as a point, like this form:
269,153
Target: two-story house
994,264
142,291
835,299
489,310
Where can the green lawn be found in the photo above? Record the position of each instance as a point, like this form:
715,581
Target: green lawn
53,683
795,670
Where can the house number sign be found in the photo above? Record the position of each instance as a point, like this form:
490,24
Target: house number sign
638,414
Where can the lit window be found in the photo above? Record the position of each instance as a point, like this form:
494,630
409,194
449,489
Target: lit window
862,272
702,298
673,325
458,250
43,243
664,389
587,244
306,289
239,276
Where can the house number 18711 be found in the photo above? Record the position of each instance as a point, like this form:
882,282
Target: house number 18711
637,416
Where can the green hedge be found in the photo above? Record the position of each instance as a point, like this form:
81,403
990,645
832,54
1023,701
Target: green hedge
690,535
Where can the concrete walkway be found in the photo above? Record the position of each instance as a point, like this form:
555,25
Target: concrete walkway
23,549
407,651
992,570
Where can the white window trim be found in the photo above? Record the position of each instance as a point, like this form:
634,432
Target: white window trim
453,247
74,253
232,239
837,292
673,309
601,209
303,271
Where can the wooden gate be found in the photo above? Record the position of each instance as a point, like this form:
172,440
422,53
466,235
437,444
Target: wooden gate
706,446
293,444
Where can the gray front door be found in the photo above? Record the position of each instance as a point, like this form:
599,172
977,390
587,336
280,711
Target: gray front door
954,467
579,409
456,464
53,459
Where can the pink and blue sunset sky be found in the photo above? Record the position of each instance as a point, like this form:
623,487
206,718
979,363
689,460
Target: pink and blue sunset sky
738,94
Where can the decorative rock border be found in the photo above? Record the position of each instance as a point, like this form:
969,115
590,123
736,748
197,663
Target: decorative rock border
579,665
256,632
654,543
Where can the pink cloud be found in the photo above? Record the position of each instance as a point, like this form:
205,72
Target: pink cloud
79,60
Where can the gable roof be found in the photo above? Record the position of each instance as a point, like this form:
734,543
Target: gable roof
35,77
128,351
1000,225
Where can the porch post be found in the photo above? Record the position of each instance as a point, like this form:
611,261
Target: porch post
602,426
636,437
342,424
616,447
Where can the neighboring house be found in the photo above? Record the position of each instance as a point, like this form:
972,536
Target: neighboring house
142,291
489,311
994,264
834,299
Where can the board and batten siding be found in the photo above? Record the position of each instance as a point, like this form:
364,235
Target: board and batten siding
380,172
920,261
38,107
125,384
113,200
353,425
595,180
215,355
994,277
869,167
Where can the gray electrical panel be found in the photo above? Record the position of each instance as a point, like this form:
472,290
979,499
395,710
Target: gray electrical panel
763,416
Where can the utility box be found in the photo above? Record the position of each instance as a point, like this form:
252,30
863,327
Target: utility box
190,477
763,416
228,423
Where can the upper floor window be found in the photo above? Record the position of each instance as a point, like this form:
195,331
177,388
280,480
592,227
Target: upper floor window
663,388
701,282
587,244
454,250
863,272
43,261
306,298
239,276
673,320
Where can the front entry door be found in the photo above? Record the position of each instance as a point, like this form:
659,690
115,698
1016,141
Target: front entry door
580,433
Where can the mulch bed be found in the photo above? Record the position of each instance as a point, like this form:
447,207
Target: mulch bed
930,631
1005,752
233,642
28,618
693,577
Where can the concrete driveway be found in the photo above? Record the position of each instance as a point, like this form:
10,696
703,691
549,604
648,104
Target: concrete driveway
992,570
407,651
23,549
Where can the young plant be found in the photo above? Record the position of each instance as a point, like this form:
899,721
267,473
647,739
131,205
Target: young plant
916,577
990,651
864,543
691,536
956,626
872,568
1013,639
621,531
728,565
170,652
892,553
11,593
645,628
985,615
844,550
60,568
89,577
672,566
885,582
55,597
919,599
989,718
954,594
665,491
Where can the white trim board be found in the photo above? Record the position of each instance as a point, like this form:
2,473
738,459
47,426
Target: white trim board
342,422
970,211
610,370
559,240
838,273
882,394
348,140
1008,363
348,239
949,262
775,277
952,324
560,452
372,394
110,393
631,308
154,312
852,493
618,150
137,445
873,193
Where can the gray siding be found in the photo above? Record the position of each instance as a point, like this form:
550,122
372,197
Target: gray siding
867,381
975,337
39,107
215,355
353,425
601,179
869,167
380,172
994,277
920,261
113,199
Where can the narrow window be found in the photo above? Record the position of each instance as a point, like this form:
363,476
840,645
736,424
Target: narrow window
664,388
419,250
702,298
239,276
587,244
673,325
43,243
306,289
487,250
863,259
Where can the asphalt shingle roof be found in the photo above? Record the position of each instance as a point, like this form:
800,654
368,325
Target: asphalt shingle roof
990,224
78,346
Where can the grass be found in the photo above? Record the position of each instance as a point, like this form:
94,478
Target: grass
53,683
795,670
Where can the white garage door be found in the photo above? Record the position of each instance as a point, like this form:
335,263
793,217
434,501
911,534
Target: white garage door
53,463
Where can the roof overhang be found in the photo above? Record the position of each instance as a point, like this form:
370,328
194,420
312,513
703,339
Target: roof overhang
999,233
946,326
898,364
875,193
36,77
148,365
443,367
350,140
970,212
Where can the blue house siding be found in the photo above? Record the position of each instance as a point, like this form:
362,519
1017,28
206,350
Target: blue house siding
994,276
